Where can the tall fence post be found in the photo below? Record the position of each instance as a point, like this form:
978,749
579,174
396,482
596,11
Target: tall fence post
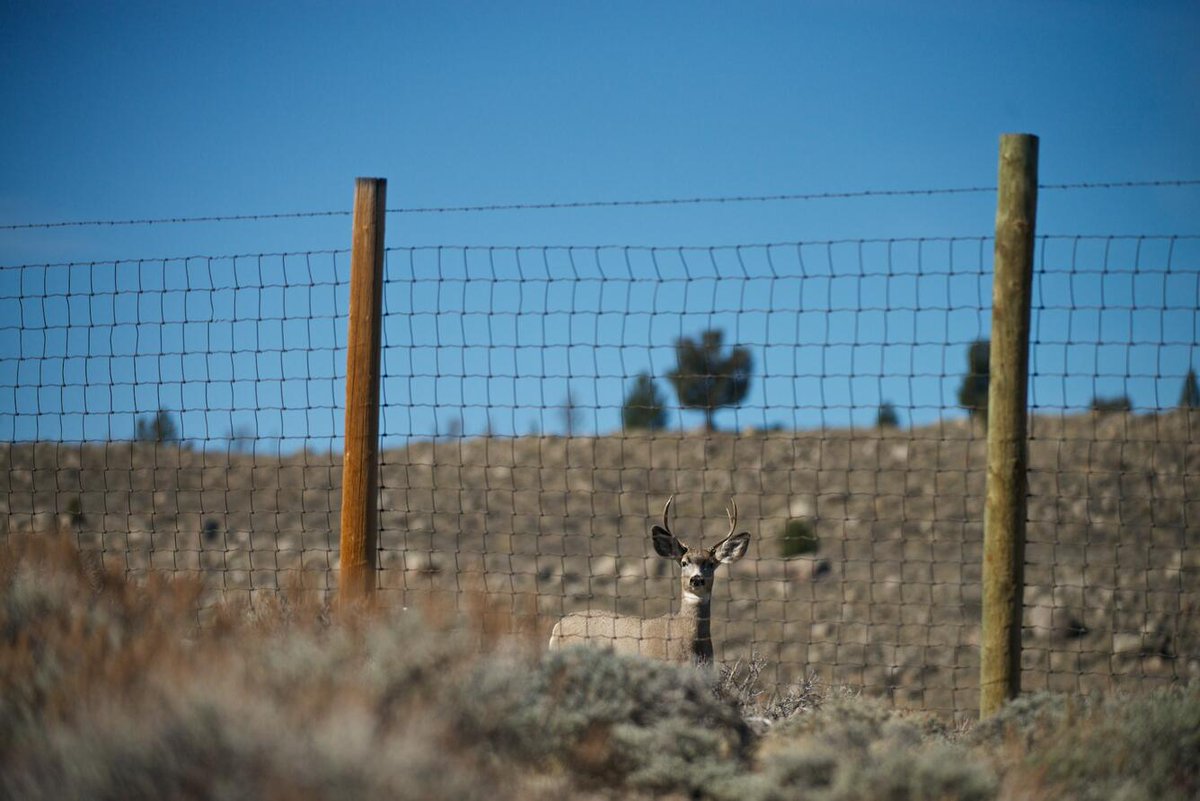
1005,506
360,460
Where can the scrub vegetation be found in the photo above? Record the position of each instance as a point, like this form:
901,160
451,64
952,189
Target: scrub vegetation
110,689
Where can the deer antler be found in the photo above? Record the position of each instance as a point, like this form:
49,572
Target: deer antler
667,514
732,518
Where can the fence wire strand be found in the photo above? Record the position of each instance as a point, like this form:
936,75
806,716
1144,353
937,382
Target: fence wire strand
184,415
599,204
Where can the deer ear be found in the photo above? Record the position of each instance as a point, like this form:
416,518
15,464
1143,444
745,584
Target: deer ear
666,544
732,548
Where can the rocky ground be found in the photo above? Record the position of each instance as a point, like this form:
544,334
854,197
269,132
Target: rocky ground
890,600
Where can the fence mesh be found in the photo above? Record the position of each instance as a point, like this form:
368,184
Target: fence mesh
179,415
1113,554
507,469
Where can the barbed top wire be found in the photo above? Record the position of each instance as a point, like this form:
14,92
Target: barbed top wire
593,204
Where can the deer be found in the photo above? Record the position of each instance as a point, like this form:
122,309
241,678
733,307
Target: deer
683,637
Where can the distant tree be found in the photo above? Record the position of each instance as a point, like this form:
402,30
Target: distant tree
705,378
643,407
1189,398
241,438
1120,403
569,411
159,427
887,417
973,392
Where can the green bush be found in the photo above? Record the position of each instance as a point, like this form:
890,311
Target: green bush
1028,720
1144,746
1120,403
1141,747
798,539
858,748
613,720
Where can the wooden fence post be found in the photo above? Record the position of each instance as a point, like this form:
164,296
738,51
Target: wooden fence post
1005,506
360,459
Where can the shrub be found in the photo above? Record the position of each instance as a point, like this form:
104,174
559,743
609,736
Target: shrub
798,539
854,748
613,720
111,690
1120,403
1144,746
1027,720
75,512
212,529
1141,747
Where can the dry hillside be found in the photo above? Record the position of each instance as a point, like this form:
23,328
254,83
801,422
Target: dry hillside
890,601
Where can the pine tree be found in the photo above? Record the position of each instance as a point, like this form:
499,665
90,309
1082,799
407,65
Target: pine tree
570,413
159,428
707,379
973,392
887,417
643,407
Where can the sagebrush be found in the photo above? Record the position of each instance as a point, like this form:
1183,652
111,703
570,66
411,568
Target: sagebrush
114,690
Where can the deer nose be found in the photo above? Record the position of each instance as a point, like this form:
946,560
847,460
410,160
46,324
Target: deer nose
697,581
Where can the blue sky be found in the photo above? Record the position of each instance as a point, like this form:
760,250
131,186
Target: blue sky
163,110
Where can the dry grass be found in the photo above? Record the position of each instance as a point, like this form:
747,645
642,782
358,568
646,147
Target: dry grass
110,690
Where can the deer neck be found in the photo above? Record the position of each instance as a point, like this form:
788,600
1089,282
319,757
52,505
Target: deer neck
696,612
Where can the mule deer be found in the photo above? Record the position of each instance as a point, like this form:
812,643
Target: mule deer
681,637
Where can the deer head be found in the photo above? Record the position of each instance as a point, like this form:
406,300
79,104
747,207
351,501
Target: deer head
699,567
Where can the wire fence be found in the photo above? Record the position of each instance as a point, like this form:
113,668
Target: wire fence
594,204
178,415
184,415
